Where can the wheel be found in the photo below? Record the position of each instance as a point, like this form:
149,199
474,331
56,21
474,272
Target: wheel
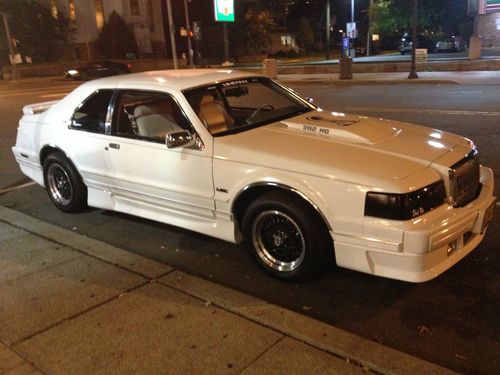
285,236
63,184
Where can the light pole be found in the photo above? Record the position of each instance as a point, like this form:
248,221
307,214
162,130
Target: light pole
328,26
172,34
413,67
368,34
9,42
188,28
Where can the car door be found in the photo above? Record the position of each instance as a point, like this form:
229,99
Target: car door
85,139
147,178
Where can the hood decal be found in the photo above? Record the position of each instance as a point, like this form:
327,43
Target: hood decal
333,120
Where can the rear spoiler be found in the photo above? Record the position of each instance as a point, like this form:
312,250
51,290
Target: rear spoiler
34,109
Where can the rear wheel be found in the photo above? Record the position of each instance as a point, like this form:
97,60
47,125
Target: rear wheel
63,184
285,236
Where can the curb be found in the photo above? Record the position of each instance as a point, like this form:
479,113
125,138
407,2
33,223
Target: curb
349,82
353,349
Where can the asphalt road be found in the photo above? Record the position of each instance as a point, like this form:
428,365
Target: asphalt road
452,320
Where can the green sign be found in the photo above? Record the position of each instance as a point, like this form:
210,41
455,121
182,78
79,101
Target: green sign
493,6
224,10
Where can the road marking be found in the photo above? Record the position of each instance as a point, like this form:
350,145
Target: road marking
418,110
54,95
36,91
18,187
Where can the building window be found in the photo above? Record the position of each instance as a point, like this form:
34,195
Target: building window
53,9
99,13
134,7
72,14
150,14
498,24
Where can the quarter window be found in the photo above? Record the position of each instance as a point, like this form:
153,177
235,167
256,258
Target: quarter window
148,116
91,115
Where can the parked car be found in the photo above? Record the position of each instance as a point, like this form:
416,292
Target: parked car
240,157
406,44
450,44
98,69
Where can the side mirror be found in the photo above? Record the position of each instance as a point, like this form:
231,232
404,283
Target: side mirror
179,138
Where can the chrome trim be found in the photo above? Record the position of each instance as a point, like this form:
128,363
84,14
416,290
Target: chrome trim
50,145
285,187
281,226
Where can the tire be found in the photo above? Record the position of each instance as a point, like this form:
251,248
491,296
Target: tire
64,184
285,236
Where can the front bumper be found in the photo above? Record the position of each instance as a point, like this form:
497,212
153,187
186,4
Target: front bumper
421,249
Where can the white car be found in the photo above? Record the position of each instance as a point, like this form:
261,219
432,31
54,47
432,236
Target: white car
239,157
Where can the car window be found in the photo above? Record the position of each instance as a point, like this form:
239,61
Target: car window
148,116
91,115
239,105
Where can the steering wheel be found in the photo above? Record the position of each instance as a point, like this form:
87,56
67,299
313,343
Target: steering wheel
257,111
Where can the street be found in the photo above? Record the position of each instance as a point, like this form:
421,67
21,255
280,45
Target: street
451,321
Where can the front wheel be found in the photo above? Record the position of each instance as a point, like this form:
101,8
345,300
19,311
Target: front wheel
285,236
63,184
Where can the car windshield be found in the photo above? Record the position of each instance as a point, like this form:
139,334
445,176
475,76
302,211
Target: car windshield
235,106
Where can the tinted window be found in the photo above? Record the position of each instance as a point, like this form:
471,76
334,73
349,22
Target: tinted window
91,116
147,115
244,104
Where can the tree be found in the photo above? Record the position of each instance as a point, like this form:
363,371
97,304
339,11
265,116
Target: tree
35,31
116,39
393,17
305,35
253,31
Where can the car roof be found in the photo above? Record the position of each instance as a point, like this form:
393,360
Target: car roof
179,79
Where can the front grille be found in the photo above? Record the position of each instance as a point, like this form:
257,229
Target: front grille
464,181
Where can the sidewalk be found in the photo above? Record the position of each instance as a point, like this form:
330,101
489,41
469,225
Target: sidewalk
74,305
462,78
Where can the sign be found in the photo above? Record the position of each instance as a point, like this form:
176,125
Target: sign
351,30
483,6
345,43
421,54
492,6
224,10
196,28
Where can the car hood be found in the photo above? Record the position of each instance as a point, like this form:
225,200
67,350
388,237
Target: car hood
338,145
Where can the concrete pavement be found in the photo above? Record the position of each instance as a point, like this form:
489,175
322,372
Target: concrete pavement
74,305
489,77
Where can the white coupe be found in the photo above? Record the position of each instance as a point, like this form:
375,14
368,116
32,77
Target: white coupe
239,157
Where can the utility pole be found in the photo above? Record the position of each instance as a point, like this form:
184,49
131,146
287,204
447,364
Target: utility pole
328,26
413,68
9,42
188,28
226,42
369,33
172,34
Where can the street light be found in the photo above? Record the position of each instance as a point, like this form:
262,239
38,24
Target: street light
413,67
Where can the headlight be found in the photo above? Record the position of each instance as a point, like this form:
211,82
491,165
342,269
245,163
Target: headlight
405,206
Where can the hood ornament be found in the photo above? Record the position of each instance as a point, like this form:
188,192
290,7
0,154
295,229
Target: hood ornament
338,122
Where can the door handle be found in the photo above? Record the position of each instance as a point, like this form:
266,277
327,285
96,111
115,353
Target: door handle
114,145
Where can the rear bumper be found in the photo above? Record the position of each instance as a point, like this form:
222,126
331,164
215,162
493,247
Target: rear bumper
418,250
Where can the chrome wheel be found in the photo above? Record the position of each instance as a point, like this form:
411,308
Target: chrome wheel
278,240
59,184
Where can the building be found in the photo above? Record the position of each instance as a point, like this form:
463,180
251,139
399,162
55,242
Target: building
488,21
87,17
